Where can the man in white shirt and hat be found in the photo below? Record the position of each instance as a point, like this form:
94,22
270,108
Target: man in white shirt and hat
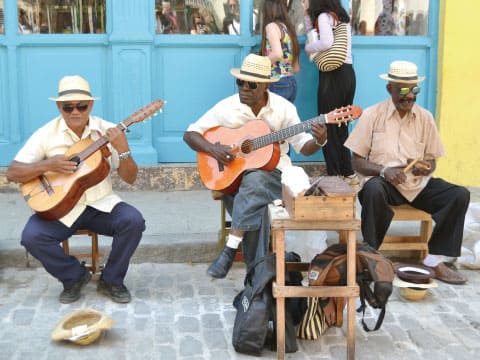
98,209
258,188
395,147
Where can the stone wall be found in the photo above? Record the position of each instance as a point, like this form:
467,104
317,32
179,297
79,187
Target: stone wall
167,177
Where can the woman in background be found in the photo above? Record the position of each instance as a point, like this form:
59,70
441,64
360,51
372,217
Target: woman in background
280,44
335,88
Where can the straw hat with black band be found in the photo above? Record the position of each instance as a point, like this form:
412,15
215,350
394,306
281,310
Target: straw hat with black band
404,72
73,88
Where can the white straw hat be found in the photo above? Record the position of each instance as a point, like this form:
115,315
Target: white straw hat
73,88
403,72
255,68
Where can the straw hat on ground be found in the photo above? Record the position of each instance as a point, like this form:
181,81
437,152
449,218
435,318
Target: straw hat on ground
73,88
82,326
403,72
413,280
255,68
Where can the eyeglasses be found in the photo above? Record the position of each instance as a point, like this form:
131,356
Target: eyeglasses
252,85
68,108
405,91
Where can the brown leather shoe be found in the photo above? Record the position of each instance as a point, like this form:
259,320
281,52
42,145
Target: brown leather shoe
447,275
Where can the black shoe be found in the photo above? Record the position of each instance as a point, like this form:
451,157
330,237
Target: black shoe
118,293
223,263
72,293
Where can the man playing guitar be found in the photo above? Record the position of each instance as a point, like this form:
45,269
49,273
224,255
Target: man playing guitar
248,202
98,209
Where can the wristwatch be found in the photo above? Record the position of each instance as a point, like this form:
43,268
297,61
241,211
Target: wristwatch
382,172
125,155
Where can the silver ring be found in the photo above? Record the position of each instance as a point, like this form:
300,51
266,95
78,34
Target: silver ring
228,156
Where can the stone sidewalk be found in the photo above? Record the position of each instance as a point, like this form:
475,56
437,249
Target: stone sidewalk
177,312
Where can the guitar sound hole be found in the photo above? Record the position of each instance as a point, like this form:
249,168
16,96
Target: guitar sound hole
75,158
247,146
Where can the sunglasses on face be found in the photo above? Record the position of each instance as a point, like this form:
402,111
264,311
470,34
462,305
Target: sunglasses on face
68,108
405,91
252,85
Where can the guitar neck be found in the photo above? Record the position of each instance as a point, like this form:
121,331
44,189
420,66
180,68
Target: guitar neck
283,134
97,145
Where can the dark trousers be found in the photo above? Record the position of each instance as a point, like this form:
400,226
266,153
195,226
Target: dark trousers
336,89
125,224
447,203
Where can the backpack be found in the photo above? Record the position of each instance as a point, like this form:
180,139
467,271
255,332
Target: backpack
372,268
255,322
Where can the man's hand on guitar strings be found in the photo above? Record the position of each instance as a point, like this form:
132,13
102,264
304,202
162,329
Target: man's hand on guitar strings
61,164
222,153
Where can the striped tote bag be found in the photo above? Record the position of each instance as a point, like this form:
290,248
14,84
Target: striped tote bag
313,323
334,57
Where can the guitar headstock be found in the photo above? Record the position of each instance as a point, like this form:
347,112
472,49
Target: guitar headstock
145,112
343,114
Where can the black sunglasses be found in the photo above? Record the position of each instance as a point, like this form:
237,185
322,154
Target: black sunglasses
68,108
252,85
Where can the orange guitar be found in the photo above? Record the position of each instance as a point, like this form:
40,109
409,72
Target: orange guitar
52,195
256,147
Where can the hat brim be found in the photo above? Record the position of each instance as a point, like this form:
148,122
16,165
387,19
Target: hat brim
73,97
84,328
236,72
400,283
388,78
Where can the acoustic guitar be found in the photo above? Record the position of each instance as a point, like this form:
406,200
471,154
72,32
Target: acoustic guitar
255,147
52,195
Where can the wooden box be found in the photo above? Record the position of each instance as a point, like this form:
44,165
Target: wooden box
336,203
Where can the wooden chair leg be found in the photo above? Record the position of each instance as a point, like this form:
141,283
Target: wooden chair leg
95,254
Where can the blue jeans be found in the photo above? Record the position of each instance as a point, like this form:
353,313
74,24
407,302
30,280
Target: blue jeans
249,210
286,87
125,224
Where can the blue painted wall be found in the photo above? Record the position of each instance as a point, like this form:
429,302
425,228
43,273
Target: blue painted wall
130,66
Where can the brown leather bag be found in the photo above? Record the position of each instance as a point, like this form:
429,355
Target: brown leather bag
330,268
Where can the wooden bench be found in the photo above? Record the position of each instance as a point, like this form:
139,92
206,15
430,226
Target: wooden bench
419,241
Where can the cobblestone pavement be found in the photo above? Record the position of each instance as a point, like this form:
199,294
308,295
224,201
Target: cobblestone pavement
177,312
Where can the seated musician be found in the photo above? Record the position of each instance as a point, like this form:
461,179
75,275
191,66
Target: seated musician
99,209
258,188
395,145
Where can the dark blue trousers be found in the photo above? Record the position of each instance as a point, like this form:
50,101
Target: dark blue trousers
125,224
447,203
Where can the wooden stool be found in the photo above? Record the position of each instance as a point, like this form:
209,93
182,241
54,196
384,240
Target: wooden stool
225,226
418,242
94,255
281,222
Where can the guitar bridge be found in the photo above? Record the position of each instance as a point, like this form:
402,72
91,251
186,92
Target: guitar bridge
46,184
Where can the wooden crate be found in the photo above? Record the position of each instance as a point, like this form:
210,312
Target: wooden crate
338,203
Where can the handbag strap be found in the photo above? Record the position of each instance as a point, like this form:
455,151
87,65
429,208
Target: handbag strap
335,19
